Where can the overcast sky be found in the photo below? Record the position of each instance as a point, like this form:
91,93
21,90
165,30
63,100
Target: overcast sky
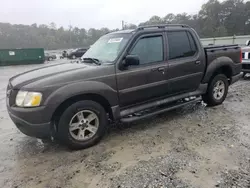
91,13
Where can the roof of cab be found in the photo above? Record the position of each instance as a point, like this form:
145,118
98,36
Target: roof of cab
123,31
153,28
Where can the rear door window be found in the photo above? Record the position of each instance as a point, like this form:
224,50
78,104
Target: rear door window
181,44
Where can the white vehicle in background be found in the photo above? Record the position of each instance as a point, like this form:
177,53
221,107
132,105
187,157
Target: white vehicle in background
246,58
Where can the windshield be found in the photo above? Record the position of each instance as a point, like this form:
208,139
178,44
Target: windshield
107,48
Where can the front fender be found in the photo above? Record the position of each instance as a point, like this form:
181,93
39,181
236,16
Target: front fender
216,65
85,87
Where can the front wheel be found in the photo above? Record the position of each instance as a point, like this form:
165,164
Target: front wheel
217,90
82,124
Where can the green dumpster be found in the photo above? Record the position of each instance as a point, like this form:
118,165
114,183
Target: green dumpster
21,56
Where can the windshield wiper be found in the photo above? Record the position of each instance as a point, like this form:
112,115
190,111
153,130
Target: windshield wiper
93,60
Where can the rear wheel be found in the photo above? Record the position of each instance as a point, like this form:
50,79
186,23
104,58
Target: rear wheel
82,124
217,90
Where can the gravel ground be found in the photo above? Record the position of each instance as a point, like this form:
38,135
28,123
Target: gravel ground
194,146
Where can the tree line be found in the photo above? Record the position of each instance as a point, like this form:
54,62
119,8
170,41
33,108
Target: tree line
215,19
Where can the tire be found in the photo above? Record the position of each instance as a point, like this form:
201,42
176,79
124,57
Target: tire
216,94
74,139
50,58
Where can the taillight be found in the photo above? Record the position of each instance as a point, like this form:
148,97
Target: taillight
240,55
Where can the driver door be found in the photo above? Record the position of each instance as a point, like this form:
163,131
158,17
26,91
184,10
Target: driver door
148,80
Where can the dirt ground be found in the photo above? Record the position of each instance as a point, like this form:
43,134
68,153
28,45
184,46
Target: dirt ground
195,146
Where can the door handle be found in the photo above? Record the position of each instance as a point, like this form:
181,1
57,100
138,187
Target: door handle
197,62
161,69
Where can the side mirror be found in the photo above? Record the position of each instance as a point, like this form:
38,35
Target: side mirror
248,43
131,60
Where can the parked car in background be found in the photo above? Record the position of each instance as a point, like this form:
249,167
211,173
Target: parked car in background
64,54
246,59
125,76
49,57
77,53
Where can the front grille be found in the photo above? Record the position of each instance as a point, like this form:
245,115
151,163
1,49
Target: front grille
11,94
9,89
243,55
8,93
246,55
12,98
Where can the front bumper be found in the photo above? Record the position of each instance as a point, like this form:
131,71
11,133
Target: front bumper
33,122
246,66
42,130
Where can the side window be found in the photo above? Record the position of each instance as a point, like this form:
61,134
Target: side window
181,44
192,43
149,49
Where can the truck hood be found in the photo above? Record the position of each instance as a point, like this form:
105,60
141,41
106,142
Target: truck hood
46,72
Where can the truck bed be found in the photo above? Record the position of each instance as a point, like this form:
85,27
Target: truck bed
230,52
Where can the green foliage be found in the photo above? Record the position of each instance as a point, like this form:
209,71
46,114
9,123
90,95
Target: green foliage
215,19
48,37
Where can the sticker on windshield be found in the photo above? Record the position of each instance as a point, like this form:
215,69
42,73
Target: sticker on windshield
115,40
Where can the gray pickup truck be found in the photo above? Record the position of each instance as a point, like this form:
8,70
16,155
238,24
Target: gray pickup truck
246,58
125,76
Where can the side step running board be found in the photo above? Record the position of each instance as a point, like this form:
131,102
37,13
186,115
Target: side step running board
159,111
201,90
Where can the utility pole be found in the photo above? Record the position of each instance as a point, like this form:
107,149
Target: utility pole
70,40
122,24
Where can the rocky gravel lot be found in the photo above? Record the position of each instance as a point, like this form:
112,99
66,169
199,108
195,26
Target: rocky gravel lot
194,146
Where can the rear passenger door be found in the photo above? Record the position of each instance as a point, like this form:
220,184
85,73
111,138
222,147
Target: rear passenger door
186,61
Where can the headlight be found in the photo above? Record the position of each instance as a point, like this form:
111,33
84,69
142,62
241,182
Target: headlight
28,99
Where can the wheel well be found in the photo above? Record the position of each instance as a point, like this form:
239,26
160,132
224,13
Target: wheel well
94,97
226,70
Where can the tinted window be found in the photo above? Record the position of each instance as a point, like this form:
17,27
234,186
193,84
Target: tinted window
181,44
192,42
149,49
